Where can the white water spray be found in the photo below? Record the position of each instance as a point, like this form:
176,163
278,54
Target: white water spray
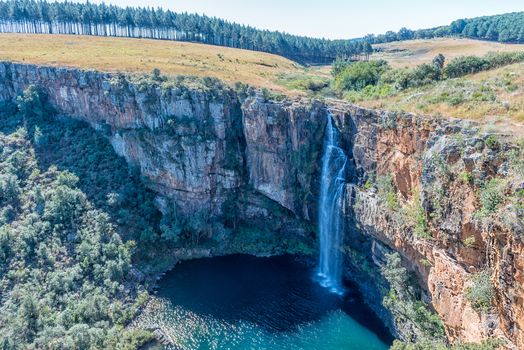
330,209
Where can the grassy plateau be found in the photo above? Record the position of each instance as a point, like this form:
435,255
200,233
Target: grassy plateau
143,55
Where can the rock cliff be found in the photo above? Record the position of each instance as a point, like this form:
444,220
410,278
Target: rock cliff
442,193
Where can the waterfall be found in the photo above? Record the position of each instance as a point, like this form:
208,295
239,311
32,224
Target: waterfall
330,206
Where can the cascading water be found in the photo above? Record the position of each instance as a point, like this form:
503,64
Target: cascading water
330,206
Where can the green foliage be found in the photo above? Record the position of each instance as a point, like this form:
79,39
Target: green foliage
424,74
439,61
416,216
465,65
403,299
470,242
481,293
33,103
66,201
387,191
516,158
64,267
305,82
502,28
461,66
491,196
358,75
370,92
358,82
492,142
466,177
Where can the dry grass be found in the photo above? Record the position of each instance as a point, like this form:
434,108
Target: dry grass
143,55
414,52
495,97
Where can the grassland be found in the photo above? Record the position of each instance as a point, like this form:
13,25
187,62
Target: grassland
414,52
143,55
495,97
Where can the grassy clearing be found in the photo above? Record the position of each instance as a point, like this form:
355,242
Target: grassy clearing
414,52
143,55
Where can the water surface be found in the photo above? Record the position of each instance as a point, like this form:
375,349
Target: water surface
243,302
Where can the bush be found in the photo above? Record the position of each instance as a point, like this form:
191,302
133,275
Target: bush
492,142
358,75
387,191
470,242
416,217
481,292
461,66
491,196
424,74
516,158
404,299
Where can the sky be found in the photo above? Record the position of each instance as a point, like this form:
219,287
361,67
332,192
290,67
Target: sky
335,19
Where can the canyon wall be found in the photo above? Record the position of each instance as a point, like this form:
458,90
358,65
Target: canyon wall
243,161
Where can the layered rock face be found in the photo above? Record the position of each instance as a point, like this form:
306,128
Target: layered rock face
249,161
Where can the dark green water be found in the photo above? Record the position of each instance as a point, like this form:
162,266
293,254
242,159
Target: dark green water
243,302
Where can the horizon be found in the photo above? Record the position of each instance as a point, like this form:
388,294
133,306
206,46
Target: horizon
336,19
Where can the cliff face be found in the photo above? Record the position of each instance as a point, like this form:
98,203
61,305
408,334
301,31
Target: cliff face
248,162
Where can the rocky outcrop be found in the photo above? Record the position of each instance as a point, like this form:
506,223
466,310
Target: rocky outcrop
249,162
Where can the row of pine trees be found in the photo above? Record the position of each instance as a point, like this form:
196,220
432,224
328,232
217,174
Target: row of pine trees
36,16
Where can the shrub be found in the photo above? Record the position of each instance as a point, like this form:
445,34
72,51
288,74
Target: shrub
461,66
492,142
424,74
491,196
358,75
387,191
470,242
516,158
466,177
403,298
416,217
481,292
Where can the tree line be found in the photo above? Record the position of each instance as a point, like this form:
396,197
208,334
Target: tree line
35,16
506,28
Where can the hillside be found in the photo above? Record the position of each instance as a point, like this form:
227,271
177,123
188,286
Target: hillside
493,96
409,53
143,55
57,17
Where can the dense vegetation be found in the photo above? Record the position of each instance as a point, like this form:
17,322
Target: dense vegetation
374,79
506,28
31,16
70,209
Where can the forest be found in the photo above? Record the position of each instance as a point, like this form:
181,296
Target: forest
68,227
31,16
505,28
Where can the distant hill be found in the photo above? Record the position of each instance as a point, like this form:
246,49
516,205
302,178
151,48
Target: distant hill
505,28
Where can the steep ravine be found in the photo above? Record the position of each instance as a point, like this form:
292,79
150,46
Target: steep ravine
248,164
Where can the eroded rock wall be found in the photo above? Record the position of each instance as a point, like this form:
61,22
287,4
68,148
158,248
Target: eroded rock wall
248,161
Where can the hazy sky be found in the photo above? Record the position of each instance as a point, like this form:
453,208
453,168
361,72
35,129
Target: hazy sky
336,18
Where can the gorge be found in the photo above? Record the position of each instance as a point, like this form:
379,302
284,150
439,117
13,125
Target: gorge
248,167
